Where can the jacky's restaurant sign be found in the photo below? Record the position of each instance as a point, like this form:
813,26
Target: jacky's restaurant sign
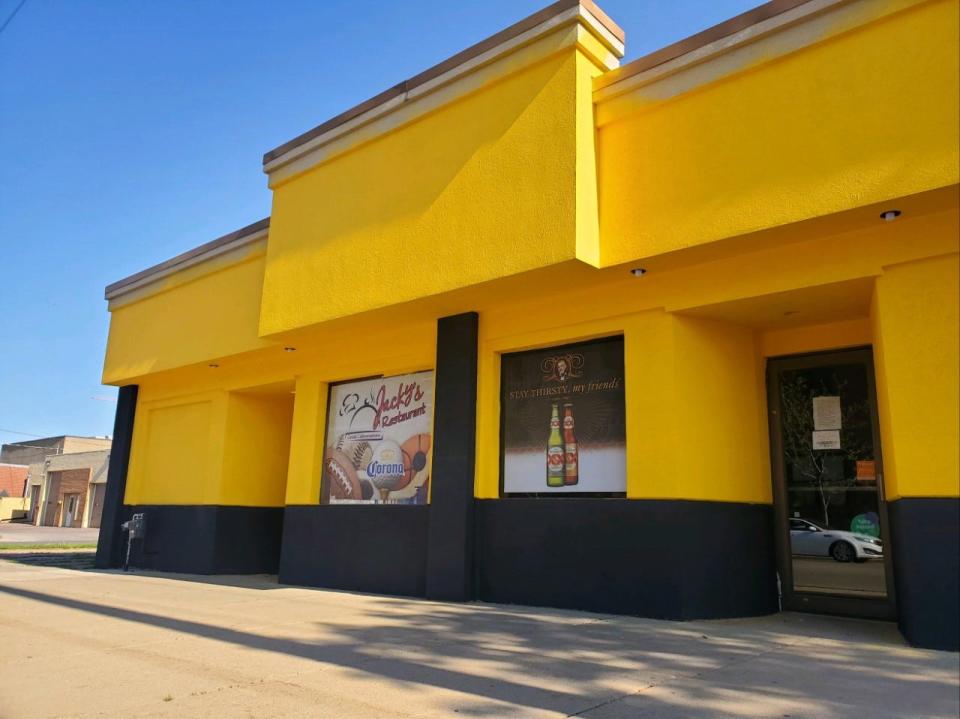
378,441
563,420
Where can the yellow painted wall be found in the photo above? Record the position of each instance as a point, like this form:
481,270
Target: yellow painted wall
696,335
483,188
256,449
916,315
306,444
816,338
10,506
866,116
719,416
507,200
256,437
176,455
215,447
696,339
587,227
506,180
212,311
694,389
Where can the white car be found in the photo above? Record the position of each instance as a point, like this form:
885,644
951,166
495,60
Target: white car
808,539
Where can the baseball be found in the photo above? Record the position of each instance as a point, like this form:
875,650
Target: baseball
385,470
359,451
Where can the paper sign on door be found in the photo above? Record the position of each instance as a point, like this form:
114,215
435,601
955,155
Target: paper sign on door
826,413
826,439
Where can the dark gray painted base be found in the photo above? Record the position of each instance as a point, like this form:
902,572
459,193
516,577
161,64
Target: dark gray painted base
209,539
380,549
925,536
661,559
665,559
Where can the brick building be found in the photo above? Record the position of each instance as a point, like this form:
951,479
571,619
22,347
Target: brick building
67,490
13,479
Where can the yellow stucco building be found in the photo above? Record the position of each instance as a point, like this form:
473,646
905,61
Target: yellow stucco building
677,338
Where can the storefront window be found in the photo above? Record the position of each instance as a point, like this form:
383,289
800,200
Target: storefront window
378,441
563,425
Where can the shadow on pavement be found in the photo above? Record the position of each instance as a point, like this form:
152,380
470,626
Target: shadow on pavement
84,561
64,560
566,661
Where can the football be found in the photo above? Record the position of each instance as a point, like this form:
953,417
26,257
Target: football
341,476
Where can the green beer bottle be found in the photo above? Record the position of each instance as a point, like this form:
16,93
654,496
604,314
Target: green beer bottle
555,451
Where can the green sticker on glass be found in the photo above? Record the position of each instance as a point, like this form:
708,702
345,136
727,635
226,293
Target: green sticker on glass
867,523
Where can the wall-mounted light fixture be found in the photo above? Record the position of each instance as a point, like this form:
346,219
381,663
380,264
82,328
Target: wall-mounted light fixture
289,349
638,272
213,365
889,215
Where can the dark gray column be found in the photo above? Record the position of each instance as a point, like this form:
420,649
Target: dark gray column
450,535
111,543
926,569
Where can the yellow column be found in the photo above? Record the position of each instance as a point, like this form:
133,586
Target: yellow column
257,449
916,313
306,441
649,386
695,412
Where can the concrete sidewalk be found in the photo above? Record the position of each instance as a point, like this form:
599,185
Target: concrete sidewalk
85,643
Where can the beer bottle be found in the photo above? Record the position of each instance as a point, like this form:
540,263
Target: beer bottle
571,471
554,451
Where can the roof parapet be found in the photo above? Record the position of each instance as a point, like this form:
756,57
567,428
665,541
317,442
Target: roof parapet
230,241
727,28
557,15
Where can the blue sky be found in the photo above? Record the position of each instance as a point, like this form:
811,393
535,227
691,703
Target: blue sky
132,130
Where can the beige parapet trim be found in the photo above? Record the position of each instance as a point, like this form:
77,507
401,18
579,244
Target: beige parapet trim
771,30
231,241
747,22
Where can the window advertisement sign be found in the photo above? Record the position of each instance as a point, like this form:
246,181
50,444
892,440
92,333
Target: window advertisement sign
378,442
563,420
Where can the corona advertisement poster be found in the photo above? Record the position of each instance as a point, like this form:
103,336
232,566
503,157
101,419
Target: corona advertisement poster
563,410
379,436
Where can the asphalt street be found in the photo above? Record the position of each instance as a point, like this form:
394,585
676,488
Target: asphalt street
16,532
823,574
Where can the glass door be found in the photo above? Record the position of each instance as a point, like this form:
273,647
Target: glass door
828,485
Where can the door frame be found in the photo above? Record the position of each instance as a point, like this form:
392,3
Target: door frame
97,492
34,502
69,516
814,601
